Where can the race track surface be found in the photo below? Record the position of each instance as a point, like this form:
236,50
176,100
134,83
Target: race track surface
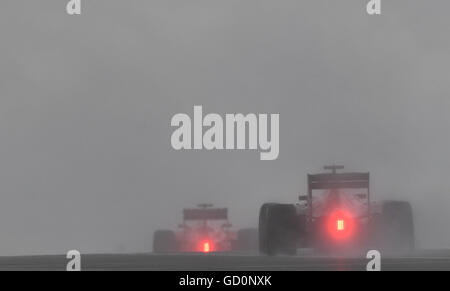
422,260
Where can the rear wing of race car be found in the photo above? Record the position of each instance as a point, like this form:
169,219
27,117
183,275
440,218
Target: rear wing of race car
205,214
337,181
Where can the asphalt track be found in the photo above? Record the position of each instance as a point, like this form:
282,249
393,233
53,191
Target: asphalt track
422,260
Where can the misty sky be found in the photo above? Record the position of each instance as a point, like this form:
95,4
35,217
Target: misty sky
86,104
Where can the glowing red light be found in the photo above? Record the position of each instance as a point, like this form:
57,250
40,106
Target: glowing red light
340,225
206,247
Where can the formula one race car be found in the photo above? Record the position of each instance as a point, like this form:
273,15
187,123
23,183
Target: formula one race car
336,216
205,229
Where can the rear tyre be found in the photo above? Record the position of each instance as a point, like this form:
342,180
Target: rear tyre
263,228
164,241
397,226
278,229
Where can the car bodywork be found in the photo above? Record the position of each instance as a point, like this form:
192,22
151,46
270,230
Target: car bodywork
337,214
205,229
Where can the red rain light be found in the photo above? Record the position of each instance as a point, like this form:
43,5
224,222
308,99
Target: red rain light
206,247
340,225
